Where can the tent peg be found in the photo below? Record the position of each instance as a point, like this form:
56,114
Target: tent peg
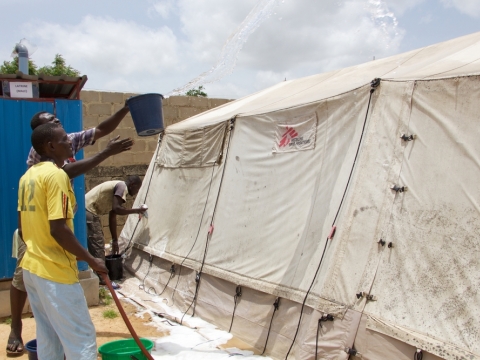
398,189
352,352
360,295
406,137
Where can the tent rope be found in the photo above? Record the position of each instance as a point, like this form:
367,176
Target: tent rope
276,305
142,285
236,297
373,85
172,274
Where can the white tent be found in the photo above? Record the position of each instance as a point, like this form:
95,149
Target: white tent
287,193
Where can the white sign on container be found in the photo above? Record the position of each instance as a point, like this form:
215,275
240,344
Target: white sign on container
21,89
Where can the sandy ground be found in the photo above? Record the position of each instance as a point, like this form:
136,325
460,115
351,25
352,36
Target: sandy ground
195,340
107,329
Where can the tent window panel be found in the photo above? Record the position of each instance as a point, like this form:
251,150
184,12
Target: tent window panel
193,148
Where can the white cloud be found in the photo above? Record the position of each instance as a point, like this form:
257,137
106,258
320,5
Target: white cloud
468,7
267,78
229,90
208,24
108,47
400,6
330,35
160,45
164,8
301,38
427,19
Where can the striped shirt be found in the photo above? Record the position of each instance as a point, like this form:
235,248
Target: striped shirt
79,141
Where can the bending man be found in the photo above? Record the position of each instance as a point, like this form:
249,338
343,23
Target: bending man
108,198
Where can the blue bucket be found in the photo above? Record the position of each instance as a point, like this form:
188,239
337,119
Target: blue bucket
31,348
147,115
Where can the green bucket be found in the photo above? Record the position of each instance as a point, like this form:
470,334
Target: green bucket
123,349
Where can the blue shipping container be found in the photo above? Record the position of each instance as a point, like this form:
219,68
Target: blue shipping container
15,144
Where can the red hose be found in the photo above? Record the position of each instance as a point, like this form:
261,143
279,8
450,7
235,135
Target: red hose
125,318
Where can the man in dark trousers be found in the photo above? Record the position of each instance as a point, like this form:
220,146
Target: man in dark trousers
108,198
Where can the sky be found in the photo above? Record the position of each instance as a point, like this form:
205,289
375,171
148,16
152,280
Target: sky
159,46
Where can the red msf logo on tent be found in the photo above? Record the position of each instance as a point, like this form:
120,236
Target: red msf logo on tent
287,136
295,135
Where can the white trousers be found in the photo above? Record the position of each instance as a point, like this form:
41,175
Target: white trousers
63,322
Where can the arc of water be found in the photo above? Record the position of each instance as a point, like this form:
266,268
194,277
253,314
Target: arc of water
228,57
384,18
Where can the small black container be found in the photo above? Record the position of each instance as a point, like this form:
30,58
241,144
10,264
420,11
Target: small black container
114,264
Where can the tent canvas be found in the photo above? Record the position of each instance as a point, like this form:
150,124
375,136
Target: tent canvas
287,193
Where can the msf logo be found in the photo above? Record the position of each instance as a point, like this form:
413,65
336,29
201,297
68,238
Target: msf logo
288,136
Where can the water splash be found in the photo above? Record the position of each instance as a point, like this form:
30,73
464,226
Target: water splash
384,19
228,57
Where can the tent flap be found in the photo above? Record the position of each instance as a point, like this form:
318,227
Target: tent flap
192,148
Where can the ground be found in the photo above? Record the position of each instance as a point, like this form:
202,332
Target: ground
107,329
195,340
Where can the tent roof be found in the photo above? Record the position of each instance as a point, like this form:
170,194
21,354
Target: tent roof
457,57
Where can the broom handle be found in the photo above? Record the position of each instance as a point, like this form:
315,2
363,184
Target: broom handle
125,318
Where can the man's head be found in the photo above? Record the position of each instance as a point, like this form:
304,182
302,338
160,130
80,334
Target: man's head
52,141
133,184
43,117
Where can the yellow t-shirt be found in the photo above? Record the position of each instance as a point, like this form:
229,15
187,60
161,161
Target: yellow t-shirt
45,194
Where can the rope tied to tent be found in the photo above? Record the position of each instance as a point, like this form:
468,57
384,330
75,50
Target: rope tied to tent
198,276
324,318
172,274
276,305
373,86
197,281
142,285
238,294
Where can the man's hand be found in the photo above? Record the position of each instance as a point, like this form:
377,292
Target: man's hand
140,210
98,265
117,145
115,247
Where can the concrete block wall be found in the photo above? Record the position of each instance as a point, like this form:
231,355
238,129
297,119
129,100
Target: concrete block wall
98,106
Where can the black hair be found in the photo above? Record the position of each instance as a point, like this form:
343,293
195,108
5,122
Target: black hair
133,179
41,135
36,121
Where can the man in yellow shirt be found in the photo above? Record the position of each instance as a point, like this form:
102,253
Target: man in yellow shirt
73,168
45,205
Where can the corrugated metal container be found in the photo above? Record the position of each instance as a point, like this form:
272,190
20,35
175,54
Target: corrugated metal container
15,144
